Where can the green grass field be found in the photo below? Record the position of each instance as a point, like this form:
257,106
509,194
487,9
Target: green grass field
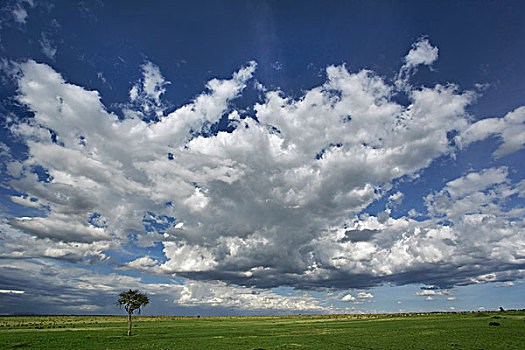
428,331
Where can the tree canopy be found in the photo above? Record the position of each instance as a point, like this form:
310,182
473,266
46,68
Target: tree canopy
132,300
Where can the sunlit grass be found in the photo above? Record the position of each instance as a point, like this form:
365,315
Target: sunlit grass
394,331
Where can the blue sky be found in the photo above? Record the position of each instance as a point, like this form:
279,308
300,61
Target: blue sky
262,157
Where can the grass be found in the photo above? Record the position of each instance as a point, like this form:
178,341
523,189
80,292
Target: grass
397,331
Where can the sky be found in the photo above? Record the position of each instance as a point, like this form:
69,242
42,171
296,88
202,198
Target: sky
262,157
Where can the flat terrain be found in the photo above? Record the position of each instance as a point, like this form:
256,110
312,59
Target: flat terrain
398,331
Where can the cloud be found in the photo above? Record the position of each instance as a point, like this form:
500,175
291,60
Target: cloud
18,9
505,284
469,194
474,182
4,291
153,84
4,150
364,295
348,297
16,244
219,294
89,9
47,47
469,223
396,198
277,200
429,292
361,296
510,129
451,298
59,288
422,52
25,201
60,228
185,257
145,95
19,14
141,263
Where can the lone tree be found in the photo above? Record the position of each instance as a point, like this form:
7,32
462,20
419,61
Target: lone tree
132,300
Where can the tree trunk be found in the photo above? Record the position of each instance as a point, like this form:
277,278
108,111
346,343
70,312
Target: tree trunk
129,323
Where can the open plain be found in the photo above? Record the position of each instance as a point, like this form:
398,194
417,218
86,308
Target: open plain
480,330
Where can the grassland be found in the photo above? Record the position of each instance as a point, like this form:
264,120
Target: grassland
426,331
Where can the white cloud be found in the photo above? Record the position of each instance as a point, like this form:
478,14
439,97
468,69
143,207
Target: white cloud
451,298
348,297
422,52
470,225
47,47
20,14
18,9
66,288
474,182
505,284
429,292
5,151
185,257
145,95
60,228
471,193
153,84
219,294
141,263
25,201
277,200
364,295
396,198
511,130
429,298
5,291
16,244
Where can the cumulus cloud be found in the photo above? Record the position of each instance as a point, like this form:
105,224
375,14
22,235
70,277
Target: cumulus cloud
50,287
152,85
276,201
422,52
141,263
510,129
16,244
195,293
396,198
431,292
60,228
348,297
469,223
364,295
